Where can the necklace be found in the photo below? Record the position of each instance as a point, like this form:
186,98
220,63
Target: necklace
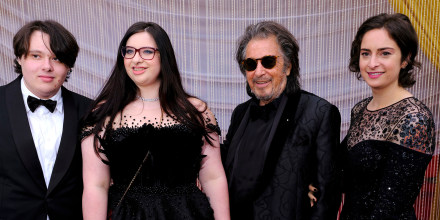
147,100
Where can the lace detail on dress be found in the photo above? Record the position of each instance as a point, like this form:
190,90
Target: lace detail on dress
167,179
137,121
408,123
165,187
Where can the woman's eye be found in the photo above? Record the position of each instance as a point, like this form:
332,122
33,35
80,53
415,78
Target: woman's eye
148,51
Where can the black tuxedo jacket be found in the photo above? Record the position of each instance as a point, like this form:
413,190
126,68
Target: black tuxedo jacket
303,150
23,192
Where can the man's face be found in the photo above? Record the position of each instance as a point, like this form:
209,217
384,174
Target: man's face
266,84
43,73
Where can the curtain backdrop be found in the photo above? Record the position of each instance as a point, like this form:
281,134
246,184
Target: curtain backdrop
204,35
424,15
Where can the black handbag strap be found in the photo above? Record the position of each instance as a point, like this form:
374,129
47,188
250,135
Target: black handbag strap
134,177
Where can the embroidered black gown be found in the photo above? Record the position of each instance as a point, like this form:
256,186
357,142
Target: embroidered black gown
387,152
165,187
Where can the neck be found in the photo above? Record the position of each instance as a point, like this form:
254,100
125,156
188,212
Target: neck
148,94
384,98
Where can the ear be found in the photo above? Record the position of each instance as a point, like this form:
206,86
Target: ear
287,70
405,62
18,60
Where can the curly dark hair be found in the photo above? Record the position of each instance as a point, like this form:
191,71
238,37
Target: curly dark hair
402,32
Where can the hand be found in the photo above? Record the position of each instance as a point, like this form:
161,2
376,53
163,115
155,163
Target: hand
311,195
199,185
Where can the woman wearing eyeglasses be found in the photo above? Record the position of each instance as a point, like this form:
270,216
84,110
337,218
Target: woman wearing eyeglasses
146,141
390,141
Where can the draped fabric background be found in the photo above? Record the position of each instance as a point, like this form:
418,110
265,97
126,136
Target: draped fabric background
427,27
204,35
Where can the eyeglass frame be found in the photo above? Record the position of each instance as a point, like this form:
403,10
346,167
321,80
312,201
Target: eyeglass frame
138,51
260,59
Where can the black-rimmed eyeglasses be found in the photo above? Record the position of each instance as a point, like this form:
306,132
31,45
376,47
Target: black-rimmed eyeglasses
146,53
268,62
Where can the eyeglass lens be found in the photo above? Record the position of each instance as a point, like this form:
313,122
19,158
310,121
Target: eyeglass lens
268,62
146,53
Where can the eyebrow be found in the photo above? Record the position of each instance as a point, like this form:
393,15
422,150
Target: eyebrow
380,49
39,52
35,51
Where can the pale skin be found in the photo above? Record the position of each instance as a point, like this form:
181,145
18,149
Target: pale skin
96,175
43,73
96,178
212,175
380,62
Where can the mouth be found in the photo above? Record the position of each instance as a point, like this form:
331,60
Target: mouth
262,82
374,75
138,70
46,78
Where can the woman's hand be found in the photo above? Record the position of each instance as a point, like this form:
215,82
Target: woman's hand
311,195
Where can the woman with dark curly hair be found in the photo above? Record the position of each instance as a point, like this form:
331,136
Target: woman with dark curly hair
391,137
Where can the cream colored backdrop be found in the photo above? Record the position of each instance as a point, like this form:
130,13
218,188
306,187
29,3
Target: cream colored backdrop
204,36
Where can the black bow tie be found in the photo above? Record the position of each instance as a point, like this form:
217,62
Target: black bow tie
33,103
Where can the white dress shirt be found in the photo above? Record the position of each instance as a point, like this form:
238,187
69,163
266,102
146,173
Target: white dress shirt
46,128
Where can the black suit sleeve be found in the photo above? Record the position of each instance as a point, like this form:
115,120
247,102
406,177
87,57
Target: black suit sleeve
225,146
236,116
327,154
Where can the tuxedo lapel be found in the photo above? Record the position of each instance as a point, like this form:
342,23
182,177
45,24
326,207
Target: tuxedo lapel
232,151
22,133
286,125
68,142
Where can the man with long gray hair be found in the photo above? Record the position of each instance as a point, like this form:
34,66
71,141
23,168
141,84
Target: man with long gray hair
283,138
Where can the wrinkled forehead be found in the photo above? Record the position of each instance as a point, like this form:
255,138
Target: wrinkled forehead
263,46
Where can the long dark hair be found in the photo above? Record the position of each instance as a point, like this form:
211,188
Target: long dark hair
402,32
120,90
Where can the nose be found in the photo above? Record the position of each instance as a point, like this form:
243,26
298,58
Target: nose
137,57
373,62
47,65
260,70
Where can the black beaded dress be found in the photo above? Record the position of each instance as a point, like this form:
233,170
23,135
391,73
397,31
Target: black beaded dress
386,155
165,188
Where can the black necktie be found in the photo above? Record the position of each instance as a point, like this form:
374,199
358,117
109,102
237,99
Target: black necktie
33,103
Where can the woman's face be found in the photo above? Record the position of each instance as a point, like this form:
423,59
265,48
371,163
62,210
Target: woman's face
144,73
380,60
